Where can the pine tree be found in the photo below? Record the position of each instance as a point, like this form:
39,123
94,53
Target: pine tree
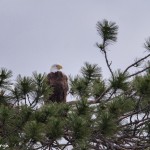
109,114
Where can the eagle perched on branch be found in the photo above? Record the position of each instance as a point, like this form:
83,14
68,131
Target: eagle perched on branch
59,83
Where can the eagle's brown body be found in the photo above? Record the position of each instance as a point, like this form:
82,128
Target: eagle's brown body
59,82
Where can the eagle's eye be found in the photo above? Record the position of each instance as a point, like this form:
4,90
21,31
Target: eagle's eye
59,66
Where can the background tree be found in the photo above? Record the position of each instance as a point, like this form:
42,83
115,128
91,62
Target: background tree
107,114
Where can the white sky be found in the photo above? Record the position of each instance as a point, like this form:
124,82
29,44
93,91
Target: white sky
34,34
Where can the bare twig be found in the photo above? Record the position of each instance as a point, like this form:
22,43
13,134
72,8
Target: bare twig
108,64
132,65
136,73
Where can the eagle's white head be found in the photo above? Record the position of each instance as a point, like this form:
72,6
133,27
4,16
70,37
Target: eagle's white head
55,68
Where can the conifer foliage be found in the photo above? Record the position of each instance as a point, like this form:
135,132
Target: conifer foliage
106,114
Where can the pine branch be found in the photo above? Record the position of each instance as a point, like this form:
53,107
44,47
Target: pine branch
108,32
136,73
133,113
102,95
132,65
108,64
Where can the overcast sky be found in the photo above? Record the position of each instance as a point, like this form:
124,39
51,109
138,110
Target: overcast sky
34,34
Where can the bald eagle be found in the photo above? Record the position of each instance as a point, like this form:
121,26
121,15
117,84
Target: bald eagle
59,83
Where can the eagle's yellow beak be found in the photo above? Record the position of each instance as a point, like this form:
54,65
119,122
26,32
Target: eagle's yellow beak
59,67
